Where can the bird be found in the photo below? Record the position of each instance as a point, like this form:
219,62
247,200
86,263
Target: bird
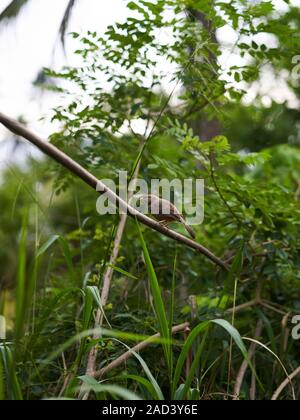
164,211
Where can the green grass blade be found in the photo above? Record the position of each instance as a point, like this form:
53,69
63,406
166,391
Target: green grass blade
21,283
95,294
112,390
100,332
276,357
67,254
191,338
155,388
121,271
171,316
144,382
65,248
158,302
178,393
151,378
44,248
234,334
184,352
192,372
91,384
13,386
87,309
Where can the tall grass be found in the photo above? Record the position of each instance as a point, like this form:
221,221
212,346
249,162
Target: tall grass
10,377
55,362
160,311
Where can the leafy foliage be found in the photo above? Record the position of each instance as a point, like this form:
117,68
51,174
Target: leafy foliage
118,109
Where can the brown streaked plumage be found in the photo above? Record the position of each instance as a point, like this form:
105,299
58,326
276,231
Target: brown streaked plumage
165,212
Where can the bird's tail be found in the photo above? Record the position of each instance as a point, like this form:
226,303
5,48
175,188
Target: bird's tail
188,228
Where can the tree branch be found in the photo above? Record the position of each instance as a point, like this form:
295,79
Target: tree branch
96,184
245,364
285,383
116,363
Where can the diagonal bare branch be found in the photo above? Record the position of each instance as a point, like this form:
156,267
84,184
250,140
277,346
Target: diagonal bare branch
136,349
285,383
97,185
65,21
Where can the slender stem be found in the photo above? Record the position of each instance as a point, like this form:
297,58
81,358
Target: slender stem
231,339
244,306
245,364
141,346
92,357
285,383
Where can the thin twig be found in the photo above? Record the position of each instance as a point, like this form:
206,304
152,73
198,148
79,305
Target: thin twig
255,302
245,364
244,306
285,383
252,391
92,357
271,308
136,349
98,185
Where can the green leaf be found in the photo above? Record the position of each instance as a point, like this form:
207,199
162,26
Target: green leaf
143,381
113,390
124,272
157,299
237,77
154,384
93,291
21,282
65,248
44,248
13,385
189,343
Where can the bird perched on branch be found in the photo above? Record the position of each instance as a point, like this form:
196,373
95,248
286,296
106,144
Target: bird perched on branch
164,211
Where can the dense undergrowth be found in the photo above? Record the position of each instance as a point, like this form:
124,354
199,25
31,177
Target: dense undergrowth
56,248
